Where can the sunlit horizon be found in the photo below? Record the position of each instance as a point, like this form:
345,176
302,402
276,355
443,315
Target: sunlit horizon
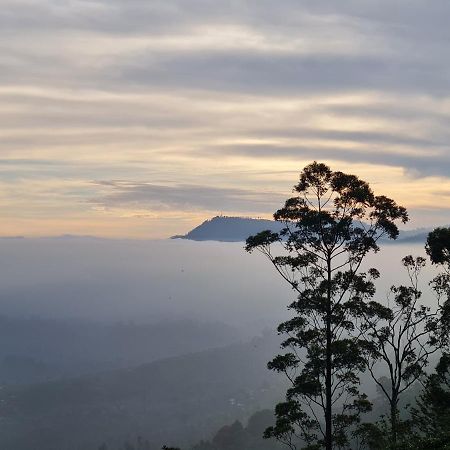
143,119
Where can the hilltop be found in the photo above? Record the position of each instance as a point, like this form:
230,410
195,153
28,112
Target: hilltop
229,229
238,229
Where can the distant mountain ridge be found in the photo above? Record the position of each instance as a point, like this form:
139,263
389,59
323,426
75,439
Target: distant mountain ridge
238,229
229,229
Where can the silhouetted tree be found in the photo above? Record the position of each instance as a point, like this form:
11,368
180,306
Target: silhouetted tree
330,225
236,437
400,337
438,249
230,436
431,415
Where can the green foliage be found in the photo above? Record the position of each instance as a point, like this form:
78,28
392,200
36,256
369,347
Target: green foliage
431,416
378,435
438,246
331,224
236,437
442,443
370,436
403,342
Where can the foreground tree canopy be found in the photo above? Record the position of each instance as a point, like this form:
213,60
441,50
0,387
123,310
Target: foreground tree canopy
339,330
330,225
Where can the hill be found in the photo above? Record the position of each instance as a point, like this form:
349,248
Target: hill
238,229
229,229
183,399
36,349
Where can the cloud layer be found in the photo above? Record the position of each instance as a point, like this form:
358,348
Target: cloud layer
188,108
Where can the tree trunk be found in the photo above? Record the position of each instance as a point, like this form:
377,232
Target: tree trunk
328,364
394,423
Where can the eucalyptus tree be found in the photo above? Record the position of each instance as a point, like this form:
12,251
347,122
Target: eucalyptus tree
400,337
431,416
438,249
330,225
403,334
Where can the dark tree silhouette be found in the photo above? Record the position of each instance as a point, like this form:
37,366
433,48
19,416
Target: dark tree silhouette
230,436
431,416
400,338
438,249
330,225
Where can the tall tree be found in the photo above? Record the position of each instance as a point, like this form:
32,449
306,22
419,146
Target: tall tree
432,413
400,337
438,249
330,225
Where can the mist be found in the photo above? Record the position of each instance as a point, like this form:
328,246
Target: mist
168,339
149,281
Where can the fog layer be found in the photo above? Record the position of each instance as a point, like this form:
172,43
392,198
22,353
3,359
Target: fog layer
150,281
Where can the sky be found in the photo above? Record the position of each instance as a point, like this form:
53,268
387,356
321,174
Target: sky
142,118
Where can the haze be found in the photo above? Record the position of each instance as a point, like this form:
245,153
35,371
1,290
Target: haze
149,281
126,122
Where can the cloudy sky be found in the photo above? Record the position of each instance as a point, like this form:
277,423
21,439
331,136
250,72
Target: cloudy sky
140,118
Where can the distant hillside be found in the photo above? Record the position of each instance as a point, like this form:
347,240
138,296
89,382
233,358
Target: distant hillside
183,399
35,350
229,229
238,229
417,236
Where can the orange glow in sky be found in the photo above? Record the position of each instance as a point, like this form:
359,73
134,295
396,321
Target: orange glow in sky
141,119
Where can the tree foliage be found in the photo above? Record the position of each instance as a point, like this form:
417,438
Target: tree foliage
431,416
400,337
438,249
330,225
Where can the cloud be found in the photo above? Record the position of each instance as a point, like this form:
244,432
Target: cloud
213,106
289,73
139,196
419,164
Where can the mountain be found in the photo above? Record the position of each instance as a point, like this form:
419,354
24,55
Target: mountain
417,236
229,229
182,399
238,229
35,349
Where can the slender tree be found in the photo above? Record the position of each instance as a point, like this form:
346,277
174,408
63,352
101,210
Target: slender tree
400,337
330,225
431,416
